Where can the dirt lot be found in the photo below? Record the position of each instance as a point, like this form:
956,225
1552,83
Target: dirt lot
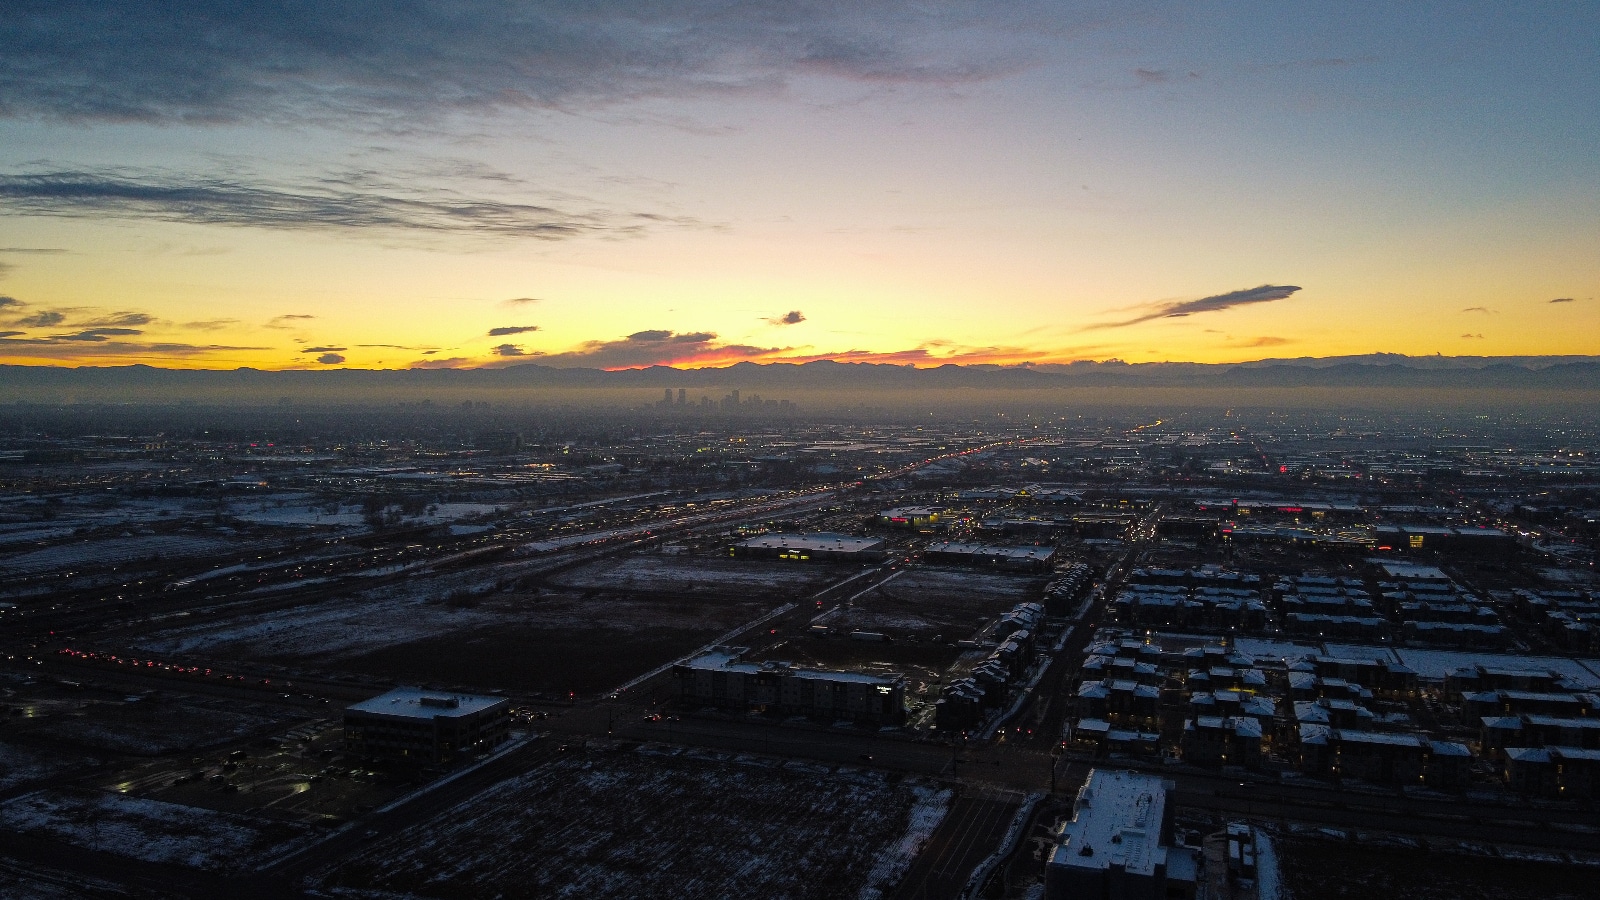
703,576
160,723
637,824
914,660
1323,870
528,659
150,830
303,776
951,603
549,641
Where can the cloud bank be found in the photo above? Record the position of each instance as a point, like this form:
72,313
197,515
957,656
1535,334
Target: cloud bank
201,62
350,204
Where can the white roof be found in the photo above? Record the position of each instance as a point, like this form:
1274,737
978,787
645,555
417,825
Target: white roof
823,541
1117,820
408,702
972,549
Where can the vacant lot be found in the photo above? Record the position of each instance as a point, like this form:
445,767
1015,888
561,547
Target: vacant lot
704,576
1322,870
618,824
551,641
525,658
23,763
161,724
950,603
914,660
140,828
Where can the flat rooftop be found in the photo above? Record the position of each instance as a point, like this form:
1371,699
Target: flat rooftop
726,659
1411,570
965,548
416,703
821,541
1117,819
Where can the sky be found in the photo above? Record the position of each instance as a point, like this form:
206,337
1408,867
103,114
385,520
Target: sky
617,184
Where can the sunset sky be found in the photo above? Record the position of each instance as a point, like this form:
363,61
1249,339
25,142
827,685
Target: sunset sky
616,184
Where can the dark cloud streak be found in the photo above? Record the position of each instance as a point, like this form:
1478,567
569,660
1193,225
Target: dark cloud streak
1265,293
321,205
201,62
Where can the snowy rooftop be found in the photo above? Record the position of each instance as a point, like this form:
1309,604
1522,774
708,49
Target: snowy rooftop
416,703
972,549
726,659
1411,570
1117,821
820,541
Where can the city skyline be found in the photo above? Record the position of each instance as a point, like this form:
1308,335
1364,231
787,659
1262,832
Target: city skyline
701,184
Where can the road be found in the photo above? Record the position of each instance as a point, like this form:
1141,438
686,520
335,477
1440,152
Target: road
971,830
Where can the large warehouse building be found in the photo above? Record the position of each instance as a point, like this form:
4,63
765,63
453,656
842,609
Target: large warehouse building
963,553
820,546
428,726
721,678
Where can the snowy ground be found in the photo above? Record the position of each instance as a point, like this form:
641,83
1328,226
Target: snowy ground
962,582
692,573
1430,665
358,624
20,765
149,830
658,824
109,551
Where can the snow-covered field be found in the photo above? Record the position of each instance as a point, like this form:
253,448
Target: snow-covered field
961,582
388,617
604,825
144,829
360,624
166,725
110,551
20,765
686,573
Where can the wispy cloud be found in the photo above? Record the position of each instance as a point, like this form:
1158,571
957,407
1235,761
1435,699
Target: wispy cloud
506,330
323,349
655,348
96,335
84,317
209,324
330,359
520,301
196,62
454,362
704,348
352,205
1472,337
1564,300
1479,309
792,317
120,319
1265,293
509,350
288,320
81,347
43,319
